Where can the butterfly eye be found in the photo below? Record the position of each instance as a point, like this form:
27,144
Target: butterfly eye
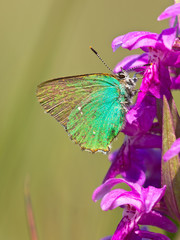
121,75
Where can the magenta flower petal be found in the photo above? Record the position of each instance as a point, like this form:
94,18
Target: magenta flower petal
127,161
148,141
139,119
130,170
134,174
117,42
151,196
110,197
147,196
173,151
125,230
134,40
132,61
172,58
152,163
172,21
167,37
156,81
106,187
114,199
171,11
151,235
158,220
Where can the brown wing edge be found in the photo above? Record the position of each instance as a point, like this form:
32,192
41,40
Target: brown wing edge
76,76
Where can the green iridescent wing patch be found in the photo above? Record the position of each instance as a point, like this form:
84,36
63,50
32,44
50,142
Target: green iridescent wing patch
90,107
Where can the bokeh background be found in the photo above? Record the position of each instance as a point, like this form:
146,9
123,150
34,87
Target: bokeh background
40,40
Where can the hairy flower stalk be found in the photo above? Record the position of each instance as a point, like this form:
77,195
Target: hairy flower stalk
148,160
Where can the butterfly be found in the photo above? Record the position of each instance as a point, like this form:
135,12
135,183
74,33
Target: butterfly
91,107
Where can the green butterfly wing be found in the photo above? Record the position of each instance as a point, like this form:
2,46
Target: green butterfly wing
90,107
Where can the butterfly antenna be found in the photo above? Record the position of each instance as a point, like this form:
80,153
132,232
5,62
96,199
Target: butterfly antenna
94,51
133,68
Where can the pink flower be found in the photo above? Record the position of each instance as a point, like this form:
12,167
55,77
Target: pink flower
158,51
138,207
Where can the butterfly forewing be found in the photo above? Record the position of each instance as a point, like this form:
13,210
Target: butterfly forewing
59,97
90,107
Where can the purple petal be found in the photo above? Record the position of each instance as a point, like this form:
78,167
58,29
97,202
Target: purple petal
106,187
172,58
134,174
157,81
132,61
114,199
122,163
158,220
140,118
173,151
134,40
139,39
125,230
171,11
117,42
173,21
137,120
148,141
151,196
152,162
131,170
151,235
110,197
127,161
168,36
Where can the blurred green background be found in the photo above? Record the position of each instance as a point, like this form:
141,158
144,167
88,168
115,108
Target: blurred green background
40,40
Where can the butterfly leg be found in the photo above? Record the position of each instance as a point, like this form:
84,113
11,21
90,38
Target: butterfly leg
135,91
124,107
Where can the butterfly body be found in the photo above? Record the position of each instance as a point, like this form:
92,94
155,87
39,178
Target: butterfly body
91,107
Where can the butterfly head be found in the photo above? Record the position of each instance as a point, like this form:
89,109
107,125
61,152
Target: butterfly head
124,76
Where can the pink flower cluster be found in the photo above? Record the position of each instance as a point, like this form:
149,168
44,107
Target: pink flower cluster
138,160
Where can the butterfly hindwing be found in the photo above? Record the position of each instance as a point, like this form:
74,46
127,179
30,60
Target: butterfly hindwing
90,107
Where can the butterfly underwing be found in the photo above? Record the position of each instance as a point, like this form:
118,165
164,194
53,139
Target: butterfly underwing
91,107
